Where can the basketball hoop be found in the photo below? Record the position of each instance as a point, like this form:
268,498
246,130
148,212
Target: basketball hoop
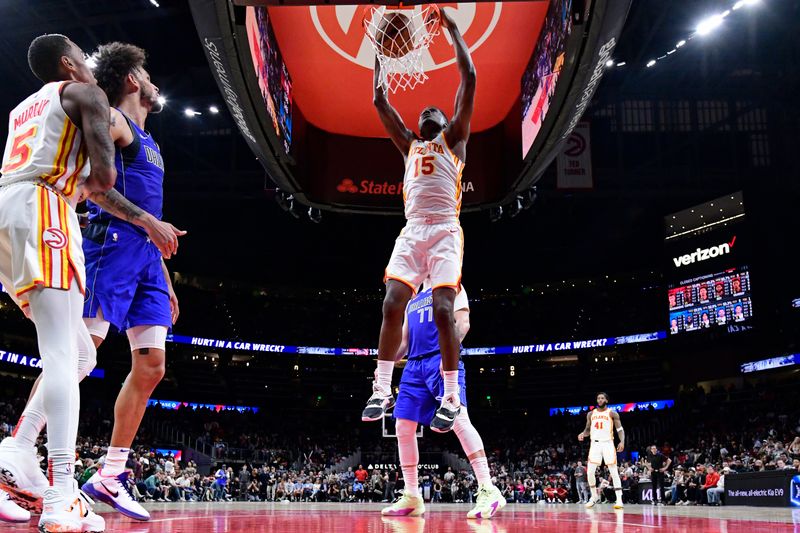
400,37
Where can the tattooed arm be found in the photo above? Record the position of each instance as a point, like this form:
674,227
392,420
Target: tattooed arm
87,105
163,234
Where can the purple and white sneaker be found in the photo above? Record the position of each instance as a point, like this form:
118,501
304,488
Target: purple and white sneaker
407,505
114,491
490,501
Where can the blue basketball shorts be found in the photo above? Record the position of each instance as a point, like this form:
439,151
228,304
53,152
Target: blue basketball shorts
422,388
124,277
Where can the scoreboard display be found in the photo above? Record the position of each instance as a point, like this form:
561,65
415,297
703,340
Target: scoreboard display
710,301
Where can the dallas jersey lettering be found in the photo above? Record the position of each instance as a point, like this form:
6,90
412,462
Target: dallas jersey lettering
422,385
432,181
44,144
602,426
140,177
123,268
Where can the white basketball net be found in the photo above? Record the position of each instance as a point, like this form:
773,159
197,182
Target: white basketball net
405,71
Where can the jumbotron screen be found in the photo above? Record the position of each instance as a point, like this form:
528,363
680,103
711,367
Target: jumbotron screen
273,76
710,301
541,75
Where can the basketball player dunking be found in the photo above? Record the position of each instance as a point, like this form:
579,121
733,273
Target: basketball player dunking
128,284
52,133
431,244
421,388
600,424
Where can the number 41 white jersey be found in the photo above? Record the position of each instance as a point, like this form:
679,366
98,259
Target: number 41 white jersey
432,182
602,426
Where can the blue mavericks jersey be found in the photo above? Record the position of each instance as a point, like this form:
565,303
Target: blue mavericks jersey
423,337
140,176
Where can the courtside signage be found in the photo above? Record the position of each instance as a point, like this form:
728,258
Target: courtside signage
703,254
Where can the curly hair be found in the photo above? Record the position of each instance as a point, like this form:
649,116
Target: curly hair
44,55
114,61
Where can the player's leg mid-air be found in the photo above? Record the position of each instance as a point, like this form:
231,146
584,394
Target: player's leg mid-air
421,387
431,243
601,423
42,266
128,277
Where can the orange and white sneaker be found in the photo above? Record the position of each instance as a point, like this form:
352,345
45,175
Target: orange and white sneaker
20,475
10,511
68,513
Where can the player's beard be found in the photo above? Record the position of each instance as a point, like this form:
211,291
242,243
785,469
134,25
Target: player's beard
151,99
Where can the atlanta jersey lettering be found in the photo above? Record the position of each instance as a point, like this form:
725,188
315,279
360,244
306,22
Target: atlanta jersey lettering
432,181
43,143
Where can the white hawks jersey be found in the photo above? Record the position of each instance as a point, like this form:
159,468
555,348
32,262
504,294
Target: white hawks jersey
43,143
602,428
432,182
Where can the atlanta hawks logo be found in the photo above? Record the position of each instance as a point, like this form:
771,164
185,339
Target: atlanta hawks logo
340,28
54,238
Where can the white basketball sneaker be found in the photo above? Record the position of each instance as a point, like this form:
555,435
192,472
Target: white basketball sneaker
21,476
591,503
10,511
489,501
407,505
114,491
68,513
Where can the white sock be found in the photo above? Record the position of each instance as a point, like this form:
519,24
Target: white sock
57,315
384,374
481,468
30,424
115,461
618,492
411,478
451,383
594,493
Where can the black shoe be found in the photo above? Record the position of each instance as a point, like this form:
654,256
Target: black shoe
377,406
445,417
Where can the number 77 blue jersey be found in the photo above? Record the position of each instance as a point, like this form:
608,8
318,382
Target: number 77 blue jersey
423,337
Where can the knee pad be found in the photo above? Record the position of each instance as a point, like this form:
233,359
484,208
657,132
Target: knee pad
615,476
467,434
141,337
97,326
590,474
406,431
87,353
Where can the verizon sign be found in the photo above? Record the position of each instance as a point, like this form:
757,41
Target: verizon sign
702,254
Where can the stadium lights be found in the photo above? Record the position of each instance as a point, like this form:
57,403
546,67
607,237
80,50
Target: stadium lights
743,3
621,64
651,63
162,100
155,3
91,62
709,24
189,112
213,109
610,63
680,43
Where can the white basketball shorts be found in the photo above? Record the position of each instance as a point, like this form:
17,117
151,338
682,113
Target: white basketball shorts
428,247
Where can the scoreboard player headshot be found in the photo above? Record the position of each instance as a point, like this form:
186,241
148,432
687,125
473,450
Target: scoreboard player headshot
672,299
704,320
673,325
720,290
689,321
703,293
738,313
721,316
736,285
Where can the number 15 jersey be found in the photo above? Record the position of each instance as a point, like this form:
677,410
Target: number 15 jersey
432,181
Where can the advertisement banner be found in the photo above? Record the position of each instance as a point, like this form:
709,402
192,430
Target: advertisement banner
575,160
761,489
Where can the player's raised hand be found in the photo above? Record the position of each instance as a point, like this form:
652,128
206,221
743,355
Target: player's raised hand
447,21
165,236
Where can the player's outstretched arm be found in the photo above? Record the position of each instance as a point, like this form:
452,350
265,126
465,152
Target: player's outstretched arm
586,430
402,351
620,431
458,130
392,122
87,105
